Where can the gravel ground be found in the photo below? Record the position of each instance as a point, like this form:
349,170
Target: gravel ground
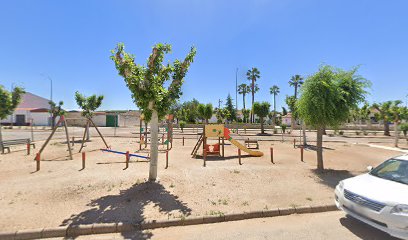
62,194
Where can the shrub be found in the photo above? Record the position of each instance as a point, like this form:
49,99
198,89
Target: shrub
404,128
341,132
357,133
283,126
182,124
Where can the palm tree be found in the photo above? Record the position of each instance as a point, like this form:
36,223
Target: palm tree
296,81
244,89
252,75
274,90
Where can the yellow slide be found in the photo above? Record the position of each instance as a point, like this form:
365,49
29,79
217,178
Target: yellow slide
243,148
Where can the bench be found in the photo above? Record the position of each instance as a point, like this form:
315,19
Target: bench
7,143
251,143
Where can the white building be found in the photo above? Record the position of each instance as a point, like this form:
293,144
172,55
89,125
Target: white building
32,109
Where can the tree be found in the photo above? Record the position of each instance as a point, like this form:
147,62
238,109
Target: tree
205,111
221,114
252,75
274,90
397,114
147,85
262,110
190,110
56,111
296,81
291,102
327,98
284,111
244,89
229,106
88,106
8,103
384,114
245,113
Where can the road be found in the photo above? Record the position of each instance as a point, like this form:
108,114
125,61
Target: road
328,225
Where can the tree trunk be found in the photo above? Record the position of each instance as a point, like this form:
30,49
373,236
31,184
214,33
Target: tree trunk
243,100
1,138
154,146
319,150
87,131
304,133
396,131
292,123
274,112
386,128
262,125
253,98
53,121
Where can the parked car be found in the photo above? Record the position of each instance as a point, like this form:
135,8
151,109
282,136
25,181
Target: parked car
378,198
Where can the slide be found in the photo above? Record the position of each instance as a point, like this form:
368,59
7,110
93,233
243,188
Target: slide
239,145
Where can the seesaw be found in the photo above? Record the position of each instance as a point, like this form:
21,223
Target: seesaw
123,153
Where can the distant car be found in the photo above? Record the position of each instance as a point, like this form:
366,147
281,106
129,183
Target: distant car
378,198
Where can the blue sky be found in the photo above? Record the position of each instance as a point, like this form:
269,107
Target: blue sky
70,41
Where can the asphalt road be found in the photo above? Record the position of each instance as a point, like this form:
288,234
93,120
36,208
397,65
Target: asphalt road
317,226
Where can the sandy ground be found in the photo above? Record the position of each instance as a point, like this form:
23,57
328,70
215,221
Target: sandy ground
62,194
318,226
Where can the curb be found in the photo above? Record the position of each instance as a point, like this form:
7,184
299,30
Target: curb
101,228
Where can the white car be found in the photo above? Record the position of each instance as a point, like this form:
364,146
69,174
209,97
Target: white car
378,198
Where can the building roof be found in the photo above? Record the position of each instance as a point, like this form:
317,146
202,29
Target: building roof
31,101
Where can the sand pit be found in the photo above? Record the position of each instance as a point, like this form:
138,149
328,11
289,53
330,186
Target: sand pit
62,194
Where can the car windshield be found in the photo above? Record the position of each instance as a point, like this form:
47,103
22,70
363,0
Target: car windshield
393,170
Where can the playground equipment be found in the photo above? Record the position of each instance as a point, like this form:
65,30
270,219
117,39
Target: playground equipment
222,133
167,131
88,122
124,153
63,121
60,121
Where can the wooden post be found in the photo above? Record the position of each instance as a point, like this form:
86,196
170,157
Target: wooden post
163,139
183,140
67,136
28,148
223,147
204,151
49,137
294,143
100,134
83,138
301,153
73,141
239,156
83,160
167,159
37,159
127,159
272,155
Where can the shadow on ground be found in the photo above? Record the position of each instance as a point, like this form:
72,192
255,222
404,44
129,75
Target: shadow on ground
363,230
331,177
128,207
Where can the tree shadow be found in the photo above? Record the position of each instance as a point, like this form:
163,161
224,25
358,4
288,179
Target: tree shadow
364,231
331,177
128,207
314,148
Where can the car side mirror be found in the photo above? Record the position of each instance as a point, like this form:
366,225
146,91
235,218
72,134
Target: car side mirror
369,168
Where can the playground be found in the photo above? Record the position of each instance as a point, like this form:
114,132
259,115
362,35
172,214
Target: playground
113,185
